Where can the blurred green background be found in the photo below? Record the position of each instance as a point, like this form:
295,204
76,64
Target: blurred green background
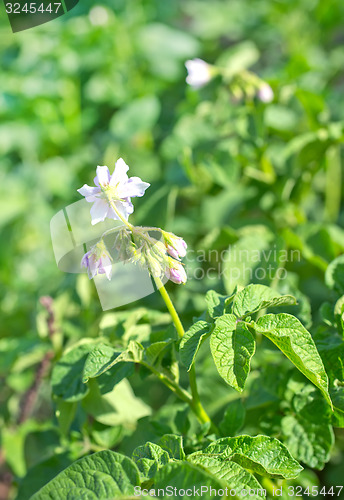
108,80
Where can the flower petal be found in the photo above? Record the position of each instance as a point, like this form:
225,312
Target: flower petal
103,176
120,173
99,211
89,192
133,187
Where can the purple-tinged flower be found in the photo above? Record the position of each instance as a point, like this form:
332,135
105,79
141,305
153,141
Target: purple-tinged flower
111,196
265,93
98,261
199,72
176,246
176,272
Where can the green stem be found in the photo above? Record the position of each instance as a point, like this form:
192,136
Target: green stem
113,206
195,403
173,386
170,307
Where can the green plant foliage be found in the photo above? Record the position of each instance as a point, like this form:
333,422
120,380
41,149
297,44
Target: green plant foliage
261,454
95,403
232,347
101,475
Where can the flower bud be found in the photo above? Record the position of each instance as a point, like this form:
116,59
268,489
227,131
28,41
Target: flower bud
199,72
176,247
176,272
98,261
265,93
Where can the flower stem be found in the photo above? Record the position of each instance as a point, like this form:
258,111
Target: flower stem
195,403
113,206
170,307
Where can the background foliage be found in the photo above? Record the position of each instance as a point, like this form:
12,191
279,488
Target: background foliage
108,80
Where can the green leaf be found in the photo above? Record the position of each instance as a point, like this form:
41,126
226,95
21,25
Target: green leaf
173,445
334,275
331,348
149,458
309,442
260,454
253,298
230,473
120,406
106,357
292,338
156,350
192,341
184,475
113,376
232,347
98,361
38,475
162,356
233,419
337,395
216,303
66,378
100,476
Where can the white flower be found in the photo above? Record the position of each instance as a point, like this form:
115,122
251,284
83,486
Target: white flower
199,72
98,261
111,196
265,93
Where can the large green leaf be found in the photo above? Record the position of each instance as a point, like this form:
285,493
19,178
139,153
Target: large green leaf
149,458
100,476
292,338
192,341
66,378
186,476
232,347
309,442
256,297
232,474
173,445
260,454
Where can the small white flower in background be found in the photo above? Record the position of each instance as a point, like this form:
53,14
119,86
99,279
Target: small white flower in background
265,93
113,192
98,261
175,245
176,272
199,73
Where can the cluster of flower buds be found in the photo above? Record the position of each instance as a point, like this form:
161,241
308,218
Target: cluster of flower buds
111,198
160,257
241,84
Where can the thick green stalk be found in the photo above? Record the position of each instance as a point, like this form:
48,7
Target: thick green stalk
195,403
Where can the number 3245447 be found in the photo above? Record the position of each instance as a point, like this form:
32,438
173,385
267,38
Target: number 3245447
298,491
32,8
